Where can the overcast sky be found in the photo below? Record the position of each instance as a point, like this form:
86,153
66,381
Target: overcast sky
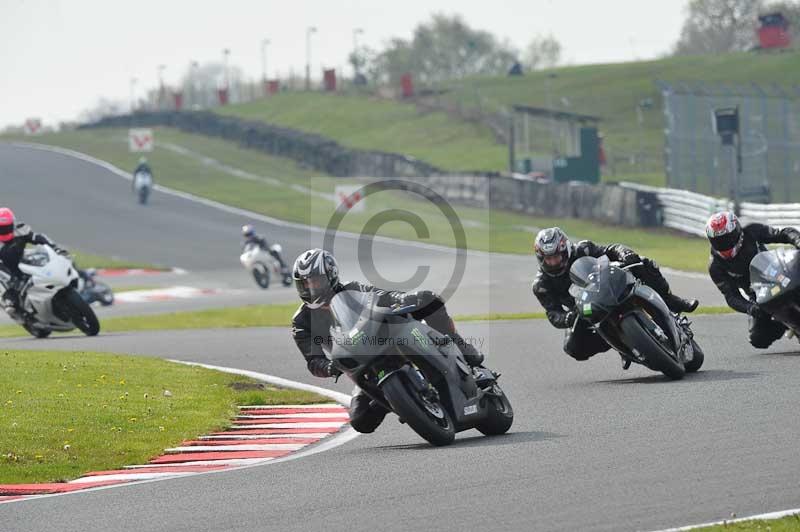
58,57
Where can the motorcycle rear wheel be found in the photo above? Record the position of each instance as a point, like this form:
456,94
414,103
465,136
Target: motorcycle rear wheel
416,411
261,275
657,356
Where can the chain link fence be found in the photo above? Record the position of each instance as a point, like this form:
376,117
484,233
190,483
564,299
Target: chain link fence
770,140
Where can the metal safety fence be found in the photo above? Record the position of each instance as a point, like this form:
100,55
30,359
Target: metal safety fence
770,140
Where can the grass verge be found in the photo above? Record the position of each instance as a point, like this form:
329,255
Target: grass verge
63,414
487,230
611,91
789,523
262,316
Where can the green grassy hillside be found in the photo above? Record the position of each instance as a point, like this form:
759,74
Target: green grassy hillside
609,91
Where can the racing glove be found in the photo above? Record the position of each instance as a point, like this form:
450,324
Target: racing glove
322,367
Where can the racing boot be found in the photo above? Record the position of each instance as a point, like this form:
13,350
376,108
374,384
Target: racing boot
678,304
10,299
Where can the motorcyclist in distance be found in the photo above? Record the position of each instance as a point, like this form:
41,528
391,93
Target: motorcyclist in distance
251,237
143,167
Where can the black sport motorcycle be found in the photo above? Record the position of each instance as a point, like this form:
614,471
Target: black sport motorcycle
632,318
414,371
775,279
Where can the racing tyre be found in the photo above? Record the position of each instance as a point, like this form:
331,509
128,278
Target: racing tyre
429,419
643,339
80,313
500,415
694,364
261,275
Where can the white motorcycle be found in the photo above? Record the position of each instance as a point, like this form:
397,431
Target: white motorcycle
263,265
142,183
49,298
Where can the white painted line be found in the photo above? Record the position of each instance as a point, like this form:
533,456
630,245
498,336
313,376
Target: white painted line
161,294
129,476
238,447
341,398
267,407
760,517
310,415
312,425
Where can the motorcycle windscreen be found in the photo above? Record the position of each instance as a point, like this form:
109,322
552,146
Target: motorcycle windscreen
583,272
357,317
771,273
36,258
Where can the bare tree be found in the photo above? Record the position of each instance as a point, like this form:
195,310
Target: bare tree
718,26
542,52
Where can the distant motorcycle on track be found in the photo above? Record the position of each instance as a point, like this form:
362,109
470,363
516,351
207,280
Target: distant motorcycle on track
142,186
49,298
92,290
262,265
632,318
414,371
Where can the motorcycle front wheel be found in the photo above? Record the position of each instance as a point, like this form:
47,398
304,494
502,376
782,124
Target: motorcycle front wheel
429,419
643,340
79,312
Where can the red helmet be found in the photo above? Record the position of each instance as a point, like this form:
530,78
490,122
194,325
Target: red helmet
6,224
725,234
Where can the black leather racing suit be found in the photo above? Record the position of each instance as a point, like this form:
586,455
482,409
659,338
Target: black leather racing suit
11,253
581,342
733,276
263,244
310,330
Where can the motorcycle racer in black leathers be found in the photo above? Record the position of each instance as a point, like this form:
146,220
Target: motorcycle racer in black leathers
316,277
732,250
556,254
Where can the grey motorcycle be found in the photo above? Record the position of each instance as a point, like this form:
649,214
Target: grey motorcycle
414,371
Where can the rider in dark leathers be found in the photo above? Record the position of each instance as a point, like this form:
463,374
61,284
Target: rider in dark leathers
144,167
316,277
551,287
251,237
732,250
14,237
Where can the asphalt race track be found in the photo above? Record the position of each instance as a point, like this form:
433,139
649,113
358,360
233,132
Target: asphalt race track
592,447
